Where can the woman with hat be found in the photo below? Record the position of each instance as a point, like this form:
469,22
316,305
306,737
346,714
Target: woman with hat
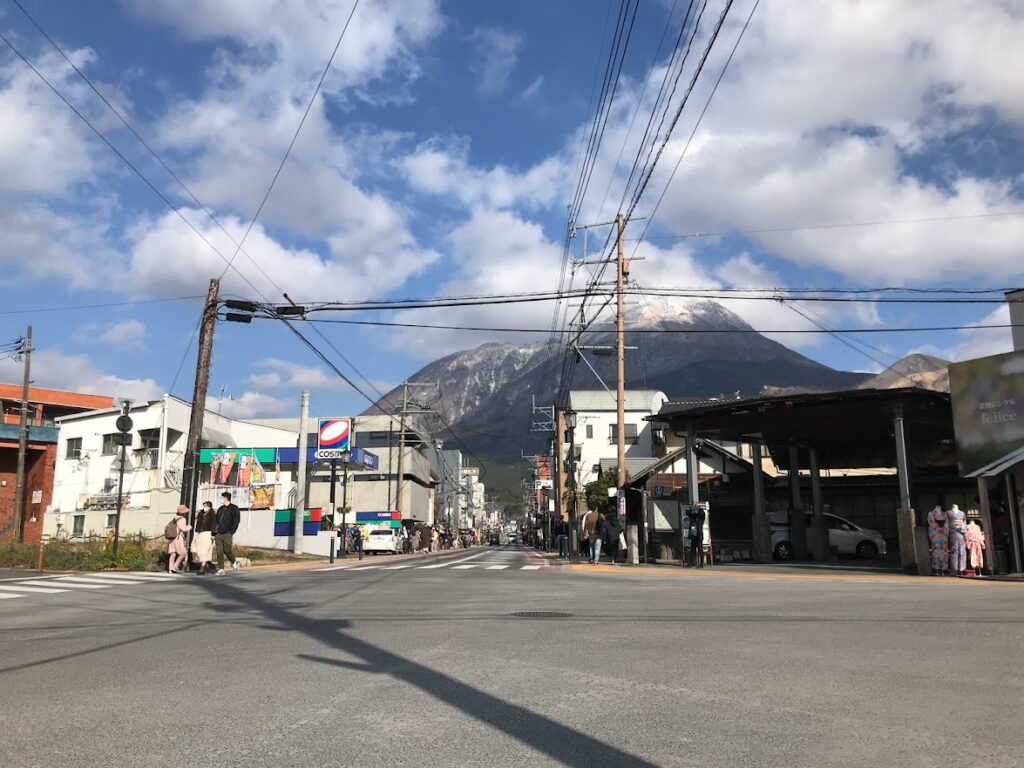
176,547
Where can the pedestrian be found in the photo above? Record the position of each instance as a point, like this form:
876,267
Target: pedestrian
562,538
176,551
697,518
228,518
416,540
612,539
957,523
938,537
202,541
975,544
433,540
600,530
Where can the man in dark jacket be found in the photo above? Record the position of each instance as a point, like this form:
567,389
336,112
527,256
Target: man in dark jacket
562,538
228,518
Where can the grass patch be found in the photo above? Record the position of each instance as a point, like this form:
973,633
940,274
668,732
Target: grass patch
134,551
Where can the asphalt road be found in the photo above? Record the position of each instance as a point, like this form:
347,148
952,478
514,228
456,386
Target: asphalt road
429,666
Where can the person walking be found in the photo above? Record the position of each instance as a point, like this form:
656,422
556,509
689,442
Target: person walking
415,540
202,541
611,544
228,518
176,551
562,538
600,531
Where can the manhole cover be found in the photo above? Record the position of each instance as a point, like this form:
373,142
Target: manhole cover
541,615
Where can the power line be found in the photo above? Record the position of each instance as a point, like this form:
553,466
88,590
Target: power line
106,305
295,137
124,159
506,329
845,225
703,112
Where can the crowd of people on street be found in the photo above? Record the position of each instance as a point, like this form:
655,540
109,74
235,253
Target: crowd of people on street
954,541
214,530
599,534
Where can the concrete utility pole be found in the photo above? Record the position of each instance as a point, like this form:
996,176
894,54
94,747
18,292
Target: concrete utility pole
190,473
19,486
620,353
401,446
300,477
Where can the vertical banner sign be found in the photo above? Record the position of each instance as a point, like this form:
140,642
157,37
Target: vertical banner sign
621,503
333,438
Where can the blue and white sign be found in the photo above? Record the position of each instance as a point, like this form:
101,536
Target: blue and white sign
333,438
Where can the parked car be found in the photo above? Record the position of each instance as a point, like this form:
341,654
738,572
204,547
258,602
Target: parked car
844,537
494,537
513,538
383,540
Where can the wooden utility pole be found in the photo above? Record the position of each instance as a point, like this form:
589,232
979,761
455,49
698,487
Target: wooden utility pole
620,354
190,468
19,486
401,446
300,475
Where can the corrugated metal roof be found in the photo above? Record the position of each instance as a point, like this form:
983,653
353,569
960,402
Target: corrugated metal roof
633,465
999,466
603,400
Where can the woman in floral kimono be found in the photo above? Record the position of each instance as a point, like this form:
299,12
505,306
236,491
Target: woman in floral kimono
975,544
938,536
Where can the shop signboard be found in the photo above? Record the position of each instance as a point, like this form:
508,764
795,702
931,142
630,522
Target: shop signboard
988,408
380,519
332,438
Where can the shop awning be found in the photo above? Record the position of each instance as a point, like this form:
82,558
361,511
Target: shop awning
1000,465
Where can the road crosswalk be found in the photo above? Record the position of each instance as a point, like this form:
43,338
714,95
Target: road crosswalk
44,586
491,561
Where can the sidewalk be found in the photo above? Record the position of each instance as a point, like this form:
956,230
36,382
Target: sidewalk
768,573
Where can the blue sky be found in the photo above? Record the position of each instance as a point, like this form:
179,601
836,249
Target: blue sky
441,153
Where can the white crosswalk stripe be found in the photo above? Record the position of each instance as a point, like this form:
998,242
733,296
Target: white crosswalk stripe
490,564
496,567
41,587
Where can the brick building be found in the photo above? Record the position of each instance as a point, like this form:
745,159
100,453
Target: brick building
45,405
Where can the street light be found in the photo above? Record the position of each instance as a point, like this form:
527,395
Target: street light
346,457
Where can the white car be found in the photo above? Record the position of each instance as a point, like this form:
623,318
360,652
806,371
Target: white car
383,540
844,537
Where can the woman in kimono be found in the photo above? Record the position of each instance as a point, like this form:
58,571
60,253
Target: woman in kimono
975,545
938,537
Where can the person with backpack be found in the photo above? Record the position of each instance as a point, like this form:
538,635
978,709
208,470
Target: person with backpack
174,532
228,519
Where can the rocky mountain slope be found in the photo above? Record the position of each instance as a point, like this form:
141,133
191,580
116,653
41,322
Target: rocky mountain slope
915,370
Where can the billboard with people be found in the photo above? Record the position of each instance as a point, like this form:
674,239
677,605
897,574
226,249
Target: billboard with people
988,408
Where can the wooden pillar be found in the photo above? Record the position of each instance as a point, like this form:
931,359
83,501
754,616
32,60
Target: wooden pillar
760,524
820,546
797,521
986,523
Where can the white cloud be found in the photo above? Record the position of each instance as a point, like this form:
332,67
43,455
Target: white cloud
443,168
167,257
77,373
977,342
532,90
284,373
127,335
495,53
251,405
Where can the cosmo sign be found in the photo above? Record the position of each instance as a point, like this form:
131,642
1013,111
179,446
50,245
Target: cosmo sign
333,438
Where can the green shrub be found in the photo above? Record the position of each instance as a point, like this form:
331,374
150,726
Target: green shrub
134,552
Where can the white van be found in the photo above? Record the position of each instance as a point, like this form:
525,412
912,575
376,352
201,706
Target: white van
844,537
383,540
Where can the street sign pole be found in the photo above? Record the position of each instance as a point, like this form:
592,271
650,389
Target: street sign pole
334,511
124,426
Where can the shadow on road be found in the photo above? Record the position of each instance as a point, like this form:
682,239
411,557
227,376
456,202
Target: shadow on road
567,745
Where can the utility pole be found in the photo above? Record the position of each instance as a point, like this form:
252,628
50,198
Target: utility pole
190,473
300,478
124,428
401,446
19,487
620,354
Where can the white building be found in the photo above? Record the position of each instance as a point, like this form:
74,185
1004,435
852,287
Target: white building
88,460
595,436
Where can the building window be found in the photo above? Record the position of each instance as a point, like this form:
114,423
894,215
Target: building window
631,436
111,520
590,431
79,525
74,449
110,443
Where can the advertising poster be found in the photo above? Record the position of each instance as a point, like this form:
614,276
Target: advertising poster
988,408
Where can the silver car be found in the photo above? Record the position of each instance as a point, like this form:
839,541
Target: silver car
844,537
